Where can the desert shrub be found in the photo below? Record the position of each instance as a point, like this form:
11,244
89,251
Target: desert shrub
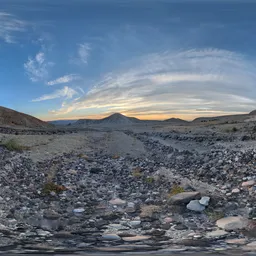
137,172
176,190
234,129
214,215
150,179
52,187
13,145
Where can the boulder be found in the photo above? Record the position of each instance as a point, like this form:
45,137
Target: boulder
232,223
195,206
184,197
205,200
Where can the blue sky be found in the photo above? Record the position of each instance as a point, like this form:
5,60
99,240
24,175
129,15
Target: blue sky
144,58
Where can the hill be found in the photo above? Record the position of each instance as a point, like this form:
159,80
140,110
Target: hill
9,117
253,113
115,119
176,121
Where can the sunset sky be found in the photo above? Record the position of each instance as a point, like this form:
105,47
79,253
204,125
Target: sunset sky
152,59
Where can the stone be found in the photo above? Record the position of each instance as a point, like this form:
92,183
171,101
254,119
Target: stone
236,241
136,238
248,183
118,202
205,200
195,206
111,237
232,223
78,210
130,207
51,215
184,197
216,233
250,247
135,223
235,191
168,220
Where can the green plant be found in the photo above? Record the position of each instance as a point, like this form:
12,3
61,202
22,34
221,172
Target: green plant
176,190
214,215
52,187
150,179
137,172
13,145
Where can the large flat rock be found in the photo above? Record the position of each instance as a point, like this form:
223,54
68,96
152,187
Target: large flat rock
184,197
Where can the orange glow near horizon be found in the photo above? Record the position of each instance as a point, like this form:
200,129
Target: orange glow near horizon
142,116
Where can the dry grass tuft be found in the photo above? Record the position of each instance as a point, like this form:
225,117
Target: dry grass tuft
13,145
175,190
149,210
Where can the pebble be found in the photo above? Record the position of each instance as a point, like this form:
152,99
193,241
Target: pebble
111,237
79,210
235,191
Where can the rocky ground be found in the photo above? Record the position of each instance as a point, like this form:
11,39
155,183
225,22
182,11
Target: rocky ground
126,191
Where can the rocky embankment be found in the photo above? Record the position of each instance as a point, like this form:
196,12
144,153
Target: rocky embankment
173,200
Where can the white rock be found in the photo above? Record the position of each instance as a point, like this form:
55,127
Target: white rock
232,223
216,233
136,238
117,201
79,210
195,206
236,241
135,223
205,200
111,237
248,183
235,191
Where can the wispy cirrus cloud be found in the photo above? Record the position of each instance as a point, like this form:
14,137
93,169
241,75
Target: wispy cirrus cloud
10,25
37,68
214,80
64,79
83,54
66,92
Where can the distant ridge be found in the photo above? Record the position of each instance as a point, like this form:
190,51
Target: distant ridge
10,118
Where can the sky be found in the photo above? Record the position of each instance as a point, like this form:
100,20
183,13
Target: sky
151,59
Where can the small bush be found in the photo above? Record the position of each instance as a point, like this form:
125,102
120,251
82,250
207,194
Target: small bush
234,129
52,187
214,215
137,172
150,179
176,190
13,145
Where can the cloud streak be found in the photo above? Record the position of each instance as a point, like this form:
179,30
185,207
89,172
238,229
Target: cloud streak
213,80
64,79
37,68
9,26
66,92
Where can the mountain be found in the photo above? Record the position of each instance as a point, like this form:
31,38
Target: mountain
119,119
62,122
253,113
114,119
176,121
9,117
